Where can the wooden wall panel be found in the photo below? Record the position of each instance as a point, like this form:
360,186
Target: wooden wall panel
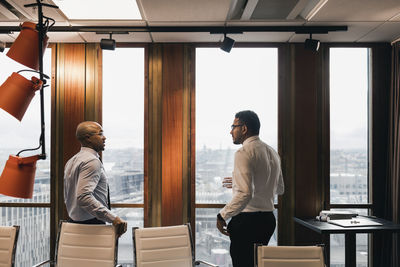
188,166
169,161
307,84
306,132
380,98
172,135
153,178
74,96
286,143
93,76
75,69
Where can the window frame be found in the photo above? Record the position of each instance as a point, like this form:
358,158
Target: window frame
145,137
280,122
326,131
379,82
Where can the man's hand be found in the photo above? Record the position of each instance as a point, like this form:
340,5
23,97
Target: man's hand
120,226
227,182
221,225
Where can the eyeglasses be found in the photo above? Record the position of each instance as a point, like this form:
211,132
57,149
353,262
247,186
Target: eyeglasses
233,126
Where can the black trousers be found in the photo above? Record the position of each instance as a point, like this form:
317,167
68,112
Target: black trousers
246,229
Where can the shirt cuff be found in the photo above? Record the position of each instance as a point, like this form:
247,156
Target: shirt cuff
110,217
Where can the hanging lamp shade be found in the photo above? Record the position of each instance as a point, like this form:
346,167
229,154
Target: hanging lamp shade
25,48
18,176
16,94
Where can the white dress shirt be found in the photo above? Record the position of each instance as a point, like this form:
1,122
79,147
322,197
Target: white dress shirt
86,187
257,177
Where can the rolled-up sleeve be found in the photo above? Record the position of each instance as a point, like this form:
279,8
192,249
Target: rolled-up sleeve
89,177
242,186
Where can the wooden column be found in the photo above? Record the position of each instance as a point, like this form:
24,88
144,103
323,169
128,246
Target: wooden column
76,96
286,135
152,207
170,88
379,151
172,141
308,183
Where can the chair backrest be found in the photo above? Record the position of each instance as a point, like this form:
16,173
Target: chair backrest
168,246
289,256
86,245
8,245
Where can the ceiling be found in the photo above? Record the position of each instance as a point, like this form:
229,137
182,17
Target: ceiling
367,20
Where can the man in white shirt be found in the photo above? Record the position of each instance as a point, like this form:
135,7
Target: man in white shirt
86,191
257,177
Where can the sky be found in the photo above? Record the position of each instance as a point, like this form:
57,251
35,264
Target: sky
123,97
24,134
349,98
244,79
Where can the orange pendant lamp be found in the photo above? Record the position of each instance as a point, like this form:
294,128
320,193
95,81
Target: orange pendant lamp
18,176
16,94
25,48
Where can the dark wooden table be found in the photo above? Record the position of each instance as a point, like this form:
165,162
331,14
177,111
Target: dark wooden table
326,228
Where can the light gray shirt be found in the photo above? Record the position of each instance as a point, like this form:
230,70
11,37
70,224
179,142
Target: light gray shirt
86,187
257,177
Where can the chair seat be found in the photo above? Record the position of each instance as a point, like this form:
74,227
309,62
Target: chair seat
86,245
169,246
289,256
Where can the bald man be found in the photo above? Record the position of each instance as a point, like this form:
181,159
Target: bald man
86,192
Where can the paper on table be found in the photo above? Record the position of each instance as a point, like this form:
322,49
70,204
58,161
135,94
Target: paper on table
355,222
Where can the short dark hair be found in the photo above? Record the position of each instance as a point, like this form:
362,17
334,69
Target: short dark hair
250,119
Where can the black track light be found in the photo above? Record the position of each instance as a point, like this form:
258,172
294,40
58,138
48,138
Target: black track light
311,44
227,44
2,46
107,44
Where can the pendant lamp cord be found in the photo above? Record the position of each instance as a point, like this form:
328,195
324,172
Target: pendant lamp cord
42,28
32,149
46,76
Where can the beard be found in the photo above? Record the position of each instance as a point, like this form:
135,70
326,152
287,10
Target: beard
237,140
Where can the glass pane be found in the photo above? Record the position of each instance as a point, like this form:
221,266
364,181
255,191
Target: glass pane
349,125
211,245
362,250
34,236
134,217
244,79
123,123
337,246
16,136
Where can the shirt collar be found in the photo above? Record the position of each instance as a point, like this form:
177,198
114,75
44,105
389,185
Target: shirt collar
251,139
90,150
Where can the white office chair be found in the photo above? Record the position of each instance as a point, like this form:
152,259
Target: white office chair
169,246
85,245
289,256
8,245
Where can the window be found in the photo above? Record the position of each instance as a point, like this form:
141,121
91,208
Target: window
15,136
349,108
244,79
123,124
